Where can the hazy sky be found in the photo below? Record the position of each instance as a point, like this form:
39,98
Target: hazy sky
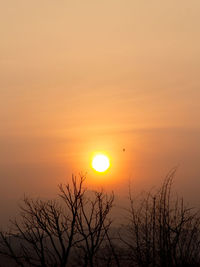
83,76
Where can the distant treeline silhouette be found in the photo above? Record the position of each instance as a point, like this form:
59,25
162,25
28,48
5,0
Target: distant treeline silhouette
77,230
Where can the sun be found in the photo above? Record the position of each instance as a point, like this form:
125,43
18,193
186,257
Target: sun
100,163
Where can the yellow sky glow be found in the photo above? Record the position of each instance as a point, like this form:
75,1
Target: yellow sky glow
78,77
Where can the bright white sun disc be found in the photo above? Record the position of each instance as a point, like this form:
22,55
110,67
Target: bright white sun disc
100,163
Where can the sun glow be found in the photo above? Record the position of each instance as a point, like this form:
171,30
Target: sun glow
100,163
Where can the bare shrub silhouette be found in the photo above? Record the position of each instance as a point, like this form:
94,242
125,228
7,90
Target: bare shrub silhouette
162,231
49,233
75,230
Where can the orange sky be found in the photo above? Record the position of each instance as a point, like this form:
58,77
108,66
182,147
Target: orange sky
83,76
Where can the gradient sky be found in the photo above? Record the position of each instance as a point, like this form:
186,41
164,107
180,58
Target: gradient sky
83,76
